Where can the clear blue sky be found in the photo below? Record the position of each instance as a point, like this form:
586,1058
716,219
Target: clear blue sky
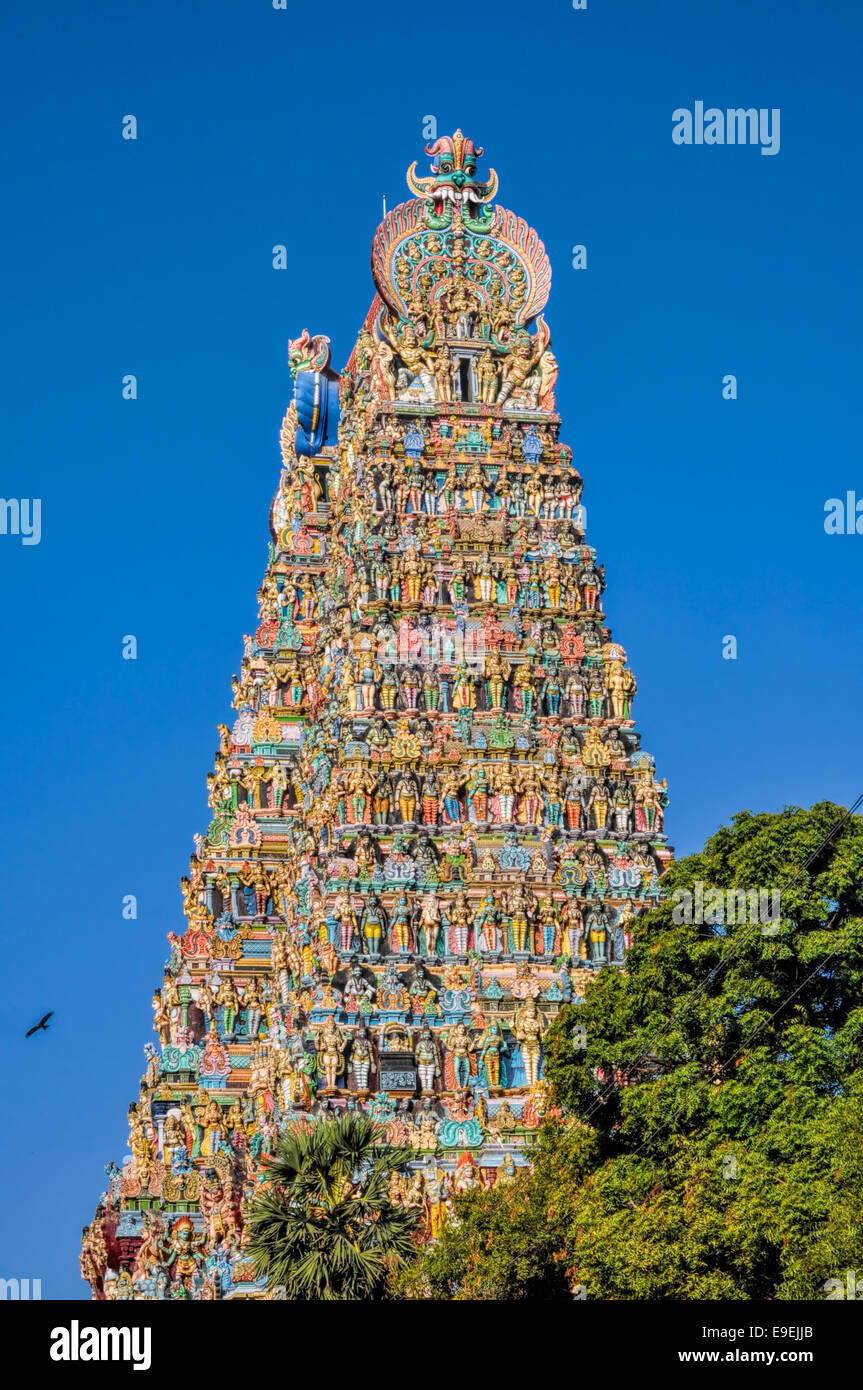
154,257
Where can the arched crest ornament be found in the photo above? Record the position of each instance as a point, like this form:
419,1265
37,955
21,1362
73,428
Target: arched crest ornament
450,247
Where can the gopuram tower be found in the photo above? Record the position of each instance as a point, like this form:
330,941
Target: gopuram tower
431,815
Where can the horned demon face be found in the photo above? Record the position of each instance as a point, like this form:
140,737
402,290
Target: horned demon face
453,180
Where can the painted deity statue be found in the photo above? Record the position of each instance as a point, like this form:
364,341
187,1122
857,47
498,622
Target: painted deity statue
528,1030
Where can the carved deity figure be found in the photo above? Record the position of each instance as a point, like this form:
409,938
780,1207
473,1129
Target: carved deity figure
427,1060
527,1029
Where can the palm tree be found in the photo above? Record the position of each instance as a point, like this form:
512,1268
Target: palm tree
326,1228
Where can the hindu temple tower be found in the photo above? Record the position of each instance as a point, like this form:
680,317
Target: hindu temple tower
432,818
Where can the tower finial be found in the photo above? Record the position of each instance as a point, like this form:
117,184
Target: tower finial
453,175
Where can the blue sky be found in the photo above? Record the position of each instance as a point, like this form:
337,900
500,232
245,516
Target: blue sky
154,257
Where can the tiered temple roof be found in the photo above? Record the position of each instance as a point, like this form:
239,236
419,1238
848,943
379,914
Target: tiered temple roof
432,819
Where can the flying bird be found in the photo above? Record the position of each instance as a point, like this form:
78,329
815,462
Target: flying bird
43,1023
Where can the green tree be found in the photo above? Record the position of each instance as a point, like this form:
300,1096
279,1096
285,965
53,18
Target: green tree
719,1078
325,1228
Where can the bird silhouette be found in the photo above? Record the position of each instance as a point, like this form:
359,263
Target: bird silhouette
43,1023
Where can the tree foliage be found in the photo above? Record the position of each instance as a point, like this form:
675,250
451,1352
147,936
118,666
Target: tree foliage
325,1228
710,1138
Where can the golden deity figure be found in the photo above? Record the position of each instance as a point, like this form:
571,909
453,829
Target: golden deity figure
530,800
346,918
572,922
170,992
142,1144
463,690
444,373
405,791
503,319
598,803
252,779
483,579
476,484
418,312
535,493
402,487
189,1123
491,1046
528,1029
488,377
648,801
497,673
419,363
518,907
268,593
551,574
219,784
285,883
331,1042
466,1173
504,787
461,917
437,1188
412,1191
212,1123
449,493
327,953
312,492
161,1019
460,306
383,372
348,686
260,884
621,688
551,780
94,1253
412,570
425,1134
